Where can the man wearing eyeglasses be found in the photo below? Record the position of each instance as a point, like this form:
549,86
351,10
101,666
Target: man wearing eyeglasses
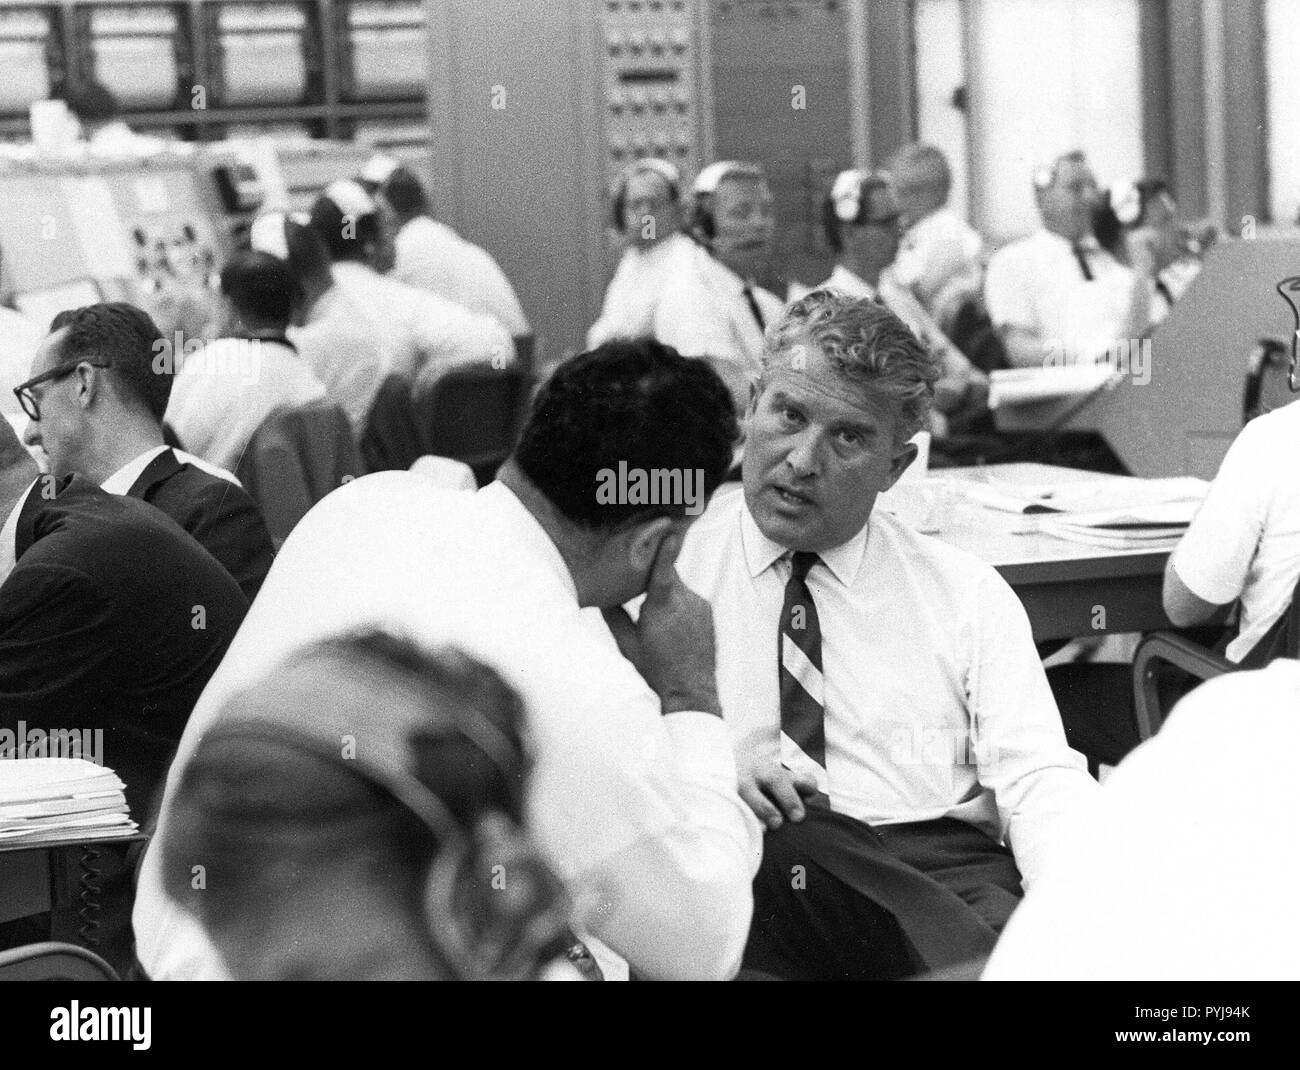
95,405
863,224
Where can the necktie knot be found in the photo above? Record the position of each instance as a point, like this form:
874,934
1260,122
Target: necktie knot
800,563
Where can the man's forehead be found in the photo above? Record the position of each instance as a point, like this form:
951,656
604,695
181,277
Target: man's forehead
803,370
647,184
743,186
47,353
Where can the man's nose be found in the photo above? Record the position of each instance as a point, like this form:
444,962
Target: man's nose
32,434
802,457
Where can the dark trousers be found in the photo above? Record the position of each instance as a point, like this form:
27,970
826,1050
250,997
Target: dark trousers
836,899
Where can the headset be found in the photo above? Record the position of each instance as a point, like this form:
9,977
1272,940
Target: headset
701,223
849,201
478,932
652,164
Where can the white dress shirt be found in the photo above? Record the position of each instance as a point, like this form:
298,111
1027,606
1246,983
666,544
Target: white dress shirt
432,256
1186,867
1037,284
703,312
223,393
1244,542
637,812
938,259
342,345
121,481
936,702
423,332
634,292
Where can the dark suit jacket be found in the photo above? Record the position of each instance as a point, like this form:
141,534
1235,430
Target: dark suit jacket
221,516
113,618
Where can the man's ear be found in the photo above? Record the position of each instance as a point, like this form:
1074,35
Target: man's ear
89,383
903,457
644,539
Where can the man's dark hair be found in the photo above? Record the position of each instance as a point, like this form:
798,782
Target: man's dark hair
327,220
93,102
637,402
261,287
127,339
405,193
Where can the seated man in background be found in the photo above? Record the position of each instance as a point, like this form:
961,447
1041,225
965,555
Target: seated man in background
647,215
111,616
425,334
336,336
226,389
892,722
403,836
1144,232
103,421
429,255
633,800
1244,542
1184,870
861,222
711,306
939,255
1057,296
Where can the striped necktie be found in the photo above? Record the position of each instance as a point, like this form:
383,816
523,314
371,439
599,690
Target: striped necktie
803,694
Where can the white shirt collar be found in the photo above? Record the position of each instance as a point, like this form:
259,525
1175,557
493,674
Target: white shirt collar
722,276
9,535
844,561
124,478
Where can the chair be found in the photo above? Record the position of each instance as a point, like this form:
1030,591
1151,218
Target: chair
1201,663
295,458
391,440
471,414
53,961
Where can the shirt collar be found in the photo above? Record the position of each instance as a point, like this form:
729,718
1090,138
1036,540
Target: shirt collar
843,561
1089,243
723,277
121,481
9,535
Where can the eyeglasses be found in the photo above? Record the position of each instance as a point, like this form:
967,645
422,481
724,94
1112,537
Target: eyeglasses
23,391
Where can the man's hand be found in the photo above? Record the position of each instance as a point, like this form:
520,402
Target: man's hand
671,644
774,793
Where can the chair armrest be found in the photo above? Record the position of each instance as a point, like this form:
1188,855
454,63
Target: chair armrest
1174,650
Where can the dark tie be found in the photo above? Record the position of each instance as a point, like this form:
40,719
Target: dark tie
803,693
1164,292
753,307
1081,255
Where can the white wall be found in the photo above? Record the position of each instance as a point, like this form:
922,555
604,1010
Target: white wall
1282,56
941,68
1049,76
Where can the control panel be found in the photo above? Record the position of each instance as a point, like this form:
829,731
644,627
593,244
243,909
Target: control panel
651,81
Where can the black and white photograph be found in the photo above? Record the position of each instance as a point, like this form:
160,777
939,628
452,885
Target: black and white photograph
650,490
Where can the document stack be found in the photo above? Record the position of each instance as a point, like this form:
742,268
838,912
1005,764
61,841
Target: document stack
45,800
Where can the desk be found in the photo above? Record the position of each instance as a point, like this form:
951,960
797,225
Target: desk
1068,589
48,878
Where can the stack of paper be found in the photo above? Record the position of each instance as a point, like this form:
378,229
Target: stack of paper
1105,494
47,799
1020,386
1155,527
